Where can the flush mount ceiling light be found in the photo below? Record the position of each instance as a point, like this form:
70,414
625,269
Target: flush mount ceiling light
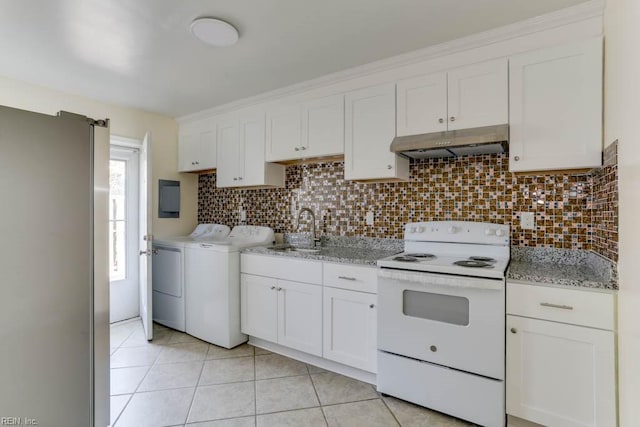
214,32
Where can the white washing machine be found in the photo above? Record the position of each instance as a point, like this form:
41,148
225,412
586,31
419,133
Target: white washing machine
168,273
212,285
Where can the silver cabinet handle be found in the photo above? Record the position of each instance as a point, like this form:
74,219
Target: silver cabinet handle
273,287
372,305
389,167
516,158
297,148
346,278
303,148
235,178
440,120
279,289
147,253
197,163
239,178
514,330
452,118
156,252
561,306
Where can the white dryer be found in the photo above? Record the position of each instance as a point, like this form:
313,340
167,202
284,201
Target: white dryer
212,285
168,273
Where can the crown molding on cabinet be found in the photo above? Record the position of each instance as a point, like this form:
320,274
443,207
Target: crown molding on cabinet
571,15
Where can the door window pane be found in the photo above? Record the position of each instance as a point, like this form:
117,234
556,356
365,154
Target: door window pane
439,307
117,224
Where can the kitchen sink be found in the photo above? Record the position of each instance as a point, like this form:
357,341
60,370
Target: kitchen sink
295,249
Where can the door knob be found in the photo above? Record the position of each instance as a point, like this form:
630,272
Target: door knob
440,120
452,118
514,331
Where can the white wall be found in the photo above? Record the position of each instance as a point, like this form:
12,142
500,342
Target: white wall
622,122
126,122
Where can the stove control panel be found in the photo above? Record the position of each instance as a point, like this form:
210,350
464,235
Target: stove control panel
458,232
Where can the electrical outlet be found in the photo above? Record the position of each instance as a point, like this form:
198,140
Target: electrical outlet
527,220
243,215
369,218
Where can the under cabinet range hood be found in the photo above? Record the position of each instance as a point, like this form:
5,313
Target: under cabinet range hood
453,143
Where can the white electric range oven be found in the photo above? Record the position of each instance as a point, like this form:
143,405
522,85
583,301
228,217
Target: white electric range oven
441,319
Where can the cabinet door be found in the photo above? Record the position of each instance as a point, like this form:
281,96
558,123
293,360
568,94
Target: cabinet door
555,102
560,375
259,307
349,328
251,170
228,154
300,316
188,150
207,147
478,95
284,137
370,126
323,127
422,104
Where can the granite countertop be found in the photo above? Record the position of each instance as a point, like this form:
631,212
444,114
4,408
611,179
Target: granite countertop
346,255
346,250
562,267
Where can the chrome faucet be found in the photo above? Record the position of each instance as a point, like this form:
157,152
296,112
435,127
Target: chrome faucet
313,224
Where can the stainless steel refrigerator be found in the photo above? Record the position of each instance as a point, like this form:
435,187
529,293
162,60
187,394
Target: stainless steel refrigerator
54,330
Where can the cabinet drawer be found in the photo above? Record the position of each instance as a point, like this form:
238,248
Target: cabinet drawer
574,306
352,277
296,270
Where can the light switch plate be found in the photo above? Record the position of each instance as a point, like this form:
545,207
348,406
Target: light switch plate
369,218
527,220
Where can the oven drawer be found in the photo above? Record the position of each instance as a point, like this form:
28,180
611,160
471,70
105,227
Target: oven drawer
471,397
351,277
575,306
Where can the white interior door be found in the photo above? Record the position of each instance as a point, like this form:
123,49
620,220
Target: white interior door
146,311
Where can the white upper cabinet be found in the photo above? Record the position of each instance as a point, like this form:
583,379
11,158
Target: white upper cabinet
313,128
241,153
228,153
556,108
323,127
478,95
370,126
466,97
284,133
422,104
197,146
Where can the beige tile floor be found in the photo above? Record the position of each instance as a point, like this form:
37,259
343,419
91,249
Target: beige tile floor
177,380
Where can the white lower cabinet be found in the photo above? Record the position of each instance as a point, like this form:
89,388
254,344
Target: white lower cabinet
281,311
349,328
332,314
259,307
300,316
560,374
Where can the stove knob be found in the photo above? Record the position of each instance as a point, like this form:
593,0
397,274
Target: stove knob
489,231
453,230
420,229
499,233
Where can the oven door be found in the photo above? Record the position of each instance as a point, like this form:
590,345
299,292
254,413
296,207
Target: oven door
452,321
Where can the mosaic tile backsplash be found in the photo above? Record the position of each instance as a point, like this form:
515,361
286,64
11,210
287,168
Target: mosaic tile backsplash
475,188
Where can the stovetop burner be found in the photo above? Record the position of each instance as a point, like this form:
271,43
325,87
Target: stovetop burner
473,263
483,259
421,255
405,258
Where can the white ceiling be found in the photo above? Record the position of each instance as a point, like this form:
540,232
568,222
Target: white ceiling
140,53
